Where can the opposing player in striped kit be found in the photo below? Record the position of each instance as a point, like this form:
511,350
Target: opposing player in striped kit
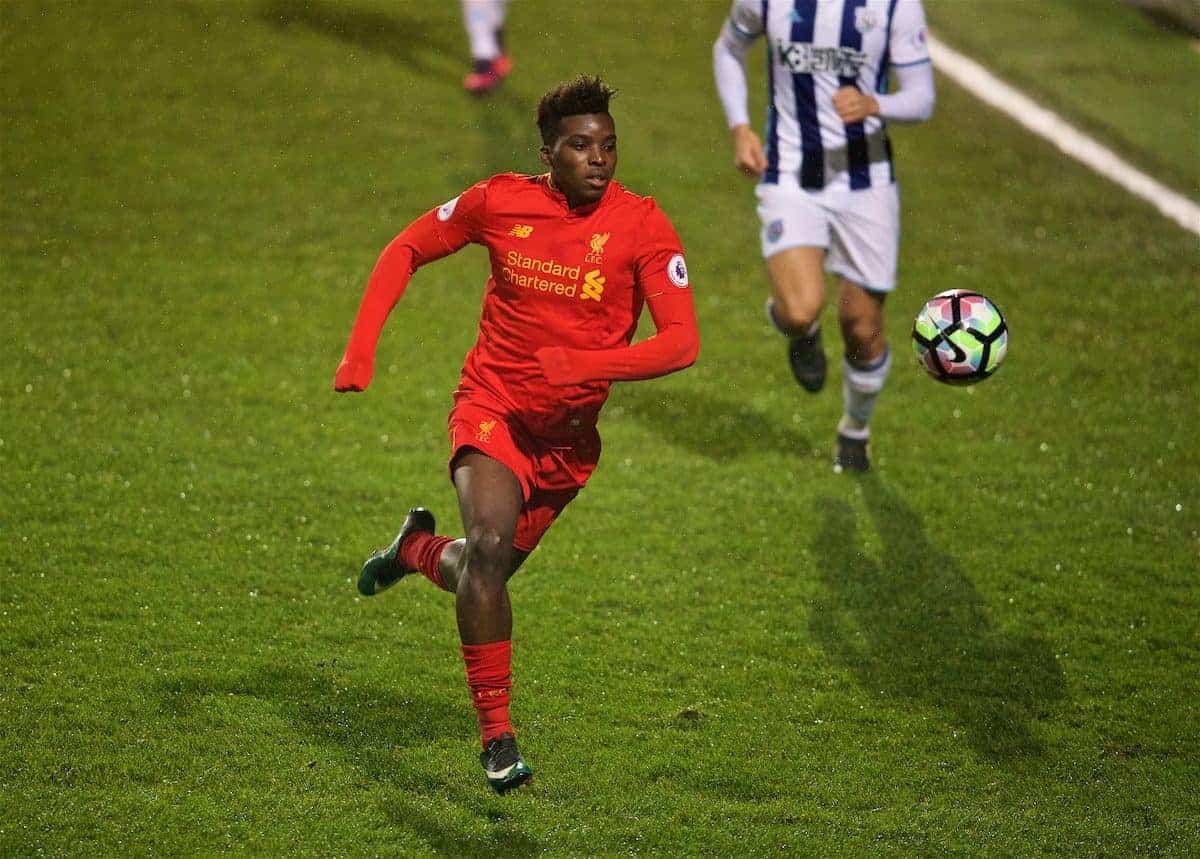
827,194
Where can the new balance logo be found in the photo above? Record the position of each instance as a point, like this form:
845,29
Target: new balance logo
521,231
593,286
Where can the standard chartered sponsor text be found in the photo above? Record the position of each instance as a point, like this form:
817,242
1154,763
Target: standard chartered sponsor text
516,261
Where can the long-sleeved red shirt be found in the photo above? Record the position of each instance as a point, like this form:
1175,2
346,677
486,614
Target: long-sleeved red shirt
562,303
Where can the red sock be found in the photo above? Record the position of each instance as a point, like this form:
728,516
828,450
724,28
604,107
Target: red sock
489,674
422,551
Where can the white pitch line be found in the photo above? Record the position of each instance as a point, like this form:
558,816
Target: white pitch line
988,88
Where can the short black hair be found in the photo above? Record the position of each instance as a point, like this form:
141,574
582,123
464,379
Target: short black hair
585,94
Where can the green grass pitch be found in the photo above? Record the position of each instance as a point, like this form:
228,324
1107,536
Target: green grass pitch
989,645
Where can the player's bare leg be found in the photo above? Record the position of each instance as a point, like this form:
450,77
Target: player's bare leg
418,549
490,499
860,315
797,296
476,569
451,563
865,368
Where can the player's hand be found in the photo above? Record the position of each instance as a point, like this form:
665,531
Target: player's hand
556,365
853,105
352,375
748,152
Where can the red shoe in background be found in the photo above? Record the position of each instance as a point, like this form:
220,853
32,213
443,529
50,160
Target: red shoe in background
487,75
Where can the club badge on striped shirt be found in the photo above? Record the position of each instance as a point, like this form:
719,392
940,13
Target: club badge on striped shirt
865,19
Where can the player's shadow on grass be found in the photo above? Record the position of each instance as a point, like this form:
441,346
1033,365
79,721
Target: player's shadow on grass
369,729
366,721
713,427
408,41
913,627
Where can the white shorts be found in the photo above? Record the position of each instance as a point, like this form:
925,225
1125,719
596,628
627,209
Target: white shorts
860,230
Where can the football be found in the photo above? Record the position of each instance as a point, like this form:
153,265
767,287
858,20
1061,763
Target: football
960,337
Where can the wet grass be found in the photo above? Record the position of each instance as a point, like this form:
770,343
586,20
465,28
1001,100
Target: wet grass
986,646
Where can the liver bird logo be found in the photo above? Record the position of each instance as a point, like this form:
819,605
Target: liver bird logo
598,242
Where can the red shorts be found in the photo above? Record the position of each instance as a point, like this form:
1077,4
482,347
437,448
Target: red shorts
551,472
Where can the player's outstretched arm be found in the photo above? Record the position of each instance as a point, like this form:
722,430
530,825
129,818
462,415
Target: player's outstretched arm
436,234
674,346
729,74
387,283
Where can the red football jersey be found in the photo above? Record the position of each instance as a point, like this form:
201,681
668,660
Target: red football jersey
560,277
564,297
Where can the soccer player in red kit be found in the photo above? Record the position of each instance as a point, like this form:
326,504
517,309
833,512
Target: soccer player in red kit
574,258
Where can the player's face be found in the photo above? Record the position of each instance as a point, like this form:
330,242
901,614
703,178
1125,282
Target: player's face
583,158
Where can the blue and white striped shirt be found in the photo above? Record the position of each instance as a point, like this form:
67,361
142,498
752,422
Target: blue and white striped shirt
815,47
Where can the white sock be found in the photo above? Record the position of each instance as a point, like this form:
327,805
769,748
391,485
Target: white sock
482,19
860,388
